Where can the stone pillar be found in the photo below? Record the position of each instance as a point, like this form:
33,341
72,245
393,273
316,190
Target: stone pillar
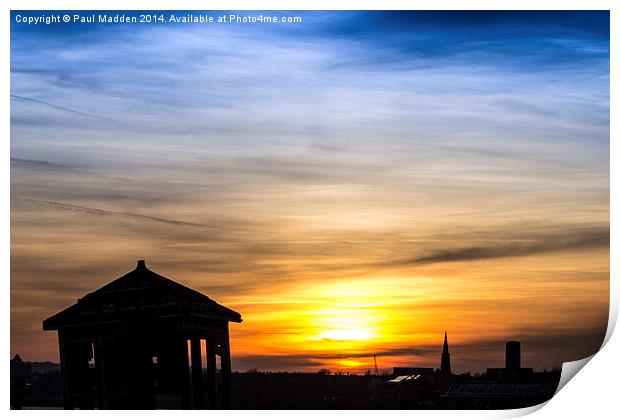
226,372
64,372
197,373
183,381
211,374
100,363
141,393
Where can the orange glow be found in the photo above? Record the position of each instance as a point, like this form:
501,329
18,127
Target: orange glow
309,301
370,315
349,363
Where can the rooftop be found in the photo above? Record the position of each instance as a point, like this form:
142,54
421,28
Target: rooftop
139,293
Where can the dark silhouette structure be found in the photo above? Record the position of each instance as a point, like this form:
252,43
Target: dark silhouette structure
404,371
445,357
38,384
512,368
513,356
509,387
139,342
411,386
34,384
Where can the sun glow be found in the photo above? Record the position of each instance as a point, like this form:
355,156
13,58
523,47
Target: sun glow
349,363
346,324
348,334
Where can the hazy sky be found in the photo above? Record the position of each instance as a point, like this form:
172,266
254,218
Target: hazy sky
352,185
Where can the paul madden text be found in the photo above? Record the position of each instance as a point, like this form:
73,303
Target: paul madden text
154,18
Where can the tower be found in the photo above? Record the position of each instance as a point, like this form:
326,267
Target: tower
513,356
445,356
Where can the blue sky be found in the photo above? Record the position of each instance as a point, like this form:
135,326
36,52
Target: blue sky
416,135
139,73
514,63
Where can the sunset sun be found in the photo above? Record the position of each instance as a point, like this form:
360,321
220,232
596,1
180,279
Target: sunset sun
348,334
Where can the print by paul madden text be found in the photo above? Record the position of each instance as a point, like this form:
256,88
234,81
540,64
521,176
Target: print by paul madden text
153,18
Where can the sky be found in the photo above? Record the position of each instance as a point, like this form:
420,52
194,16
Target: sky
354,185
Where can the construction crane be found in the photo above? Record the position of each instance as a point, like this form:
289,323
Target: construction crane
374,356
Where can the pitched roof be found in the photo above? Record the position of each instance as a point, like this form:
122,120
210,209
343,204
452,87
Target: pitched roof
139,293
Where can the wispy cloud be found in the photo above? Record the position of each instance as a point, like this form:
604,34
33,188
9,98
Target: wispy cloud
40,164
54,205
62,108
581,239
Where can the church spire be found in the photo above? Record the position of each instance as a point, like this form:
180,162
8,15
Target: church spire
445,356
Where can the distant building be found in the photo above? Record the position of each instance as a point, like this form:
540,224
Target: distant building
136,343
406,371
445,367
418,387
509,387
513,356
512,367
19,367
482,395
409,391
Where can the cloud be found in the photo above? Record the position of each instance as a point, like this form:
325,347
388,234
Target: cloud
63,108
54,205
40,164
579,239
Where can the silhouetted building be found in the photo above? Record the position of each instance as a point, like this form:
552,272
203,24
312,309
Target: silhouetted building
513,356
19,367
308,391
484,394
508,387
513,364
445,357
136,343
34,384
409,391
405,371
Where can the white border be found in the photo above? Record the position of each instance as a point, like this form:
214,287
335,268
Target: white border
594,394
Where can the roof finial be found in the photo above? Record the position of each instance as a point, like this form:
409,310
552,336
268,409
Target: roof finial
141,264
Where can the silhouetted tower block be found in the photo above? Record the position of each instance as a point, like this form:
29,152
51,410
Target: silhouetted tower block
445,367
513,356
136,343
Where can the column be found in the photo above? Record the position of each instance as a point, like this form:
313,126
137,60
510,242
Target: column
100,363
183,378
197,373
64,372
211,374
226,372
